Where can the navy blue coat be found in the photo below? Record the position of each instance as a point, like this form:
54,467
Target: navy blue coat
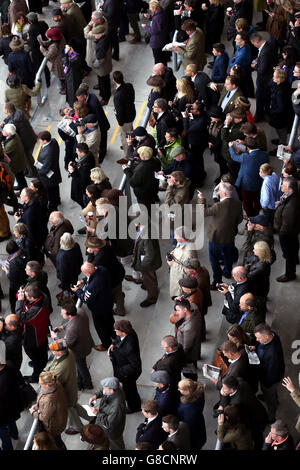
166,399
153,432
68,264
19,63
95,108
49,158
219,71
281,105
271,367
97,294
196,131
184,166
35,221
191,414
248,177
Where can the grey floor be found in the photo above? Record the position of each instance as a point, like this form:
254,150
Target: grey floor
152,323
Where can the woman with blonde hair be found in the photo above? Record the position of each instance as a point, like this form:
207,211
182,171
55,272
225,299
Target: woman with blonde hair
68,261
190,411
158,31
185,94
259,269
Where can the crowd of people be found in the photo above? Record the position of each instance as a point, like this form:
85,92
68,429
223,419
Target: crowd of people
189,115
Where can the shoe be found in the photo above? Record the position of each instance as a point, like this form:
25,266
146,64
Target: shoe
30,363
275,141
128,411
213,286
143,287
11,212
31,379
121,147
147,303
2,239
71,431
284,278
99,347
96,87
62,91
81,231
104,102
131,279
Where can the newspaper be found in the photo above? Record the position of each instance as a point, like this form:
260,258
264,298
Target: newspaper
252,356
89,410
211,372
168,47
281,154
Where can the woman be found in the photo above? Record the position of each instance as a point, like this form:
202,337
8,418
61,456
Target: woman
6,38
19,62
41,193
51,408
19,94
100,179
280,107
53,49
238,72
43,441
214,23
14,7
26,244
217,117
21,26
178,192
15,270
278,20
158,31
68,261
73,69
157,90
237,336
190,411
232,432
185,95
259,269
95,436
290,57
244,103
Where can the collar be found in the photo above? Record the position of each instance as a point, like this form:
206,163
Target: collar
223,198
232,361
173,434
232,394
151,419
260,48
45,145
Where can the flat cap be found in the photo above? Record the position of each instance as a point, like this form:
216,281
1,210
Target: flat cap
177,151
110,382
160,377
189,282
260,219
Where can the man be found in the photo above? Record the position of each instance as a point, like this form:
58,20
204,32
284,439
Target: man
142,179
59,225
197,139
79,340
233,292
95,107
166,396
11,335
181,162
231,132
163,120
251,130
80,173
101,61
173,139
32,310
48,168
37,28
95,291
271,366
226,216
124,354
251,315
278,438
266,60
200,80
101,253
110,413
111,10
96,19
5,191
89,134
286,223
229,94
39,278
258,229
194,52
133,9
189,335
73,10
151,429
33,217
66,24
166,73
238,364
241,9
269,193
178,432
172,361
26,133
124,106
64,368
248,179
13,147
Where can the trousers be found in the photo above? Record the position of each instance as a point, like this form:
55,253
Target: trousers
218,251
38,356
149,279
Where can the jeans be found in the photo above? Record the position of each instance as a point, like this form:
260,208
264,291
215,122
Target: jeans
218,251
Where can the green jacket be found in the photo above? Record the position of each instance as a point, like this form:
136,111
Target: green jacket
15,150
253,318
64,368
166,159
18,96
229,134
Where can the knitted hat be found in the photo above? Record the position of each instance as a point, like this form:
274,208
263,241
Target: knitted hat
32,16
123,325
189,282
156,81
93,434
58,345
160,377
146,152
260,219
54,34
177,150
16,44
139,131
110,382
95,242
99,29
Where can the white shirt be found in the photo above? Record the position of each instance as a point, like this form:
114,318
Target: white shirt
227,98
151,419
260,48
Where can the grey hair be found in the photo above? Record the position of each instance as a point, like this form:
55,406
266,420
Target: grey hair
281,429
161,103
291,183
170,341
57,218
97,15
184,232
67,242
226,188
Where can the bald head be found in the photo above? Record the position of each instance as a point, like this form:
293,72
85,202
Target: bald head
88,269
11,322
247,302
159,69
239,273
191,70
56,218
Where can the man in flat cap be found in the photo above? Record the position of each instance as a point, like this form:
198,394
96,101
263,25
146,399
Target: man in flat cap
195,270
124,354
165,396
101,61
110,412
89,134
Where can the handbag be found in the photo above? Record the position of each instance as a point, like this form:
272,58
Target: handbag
152,120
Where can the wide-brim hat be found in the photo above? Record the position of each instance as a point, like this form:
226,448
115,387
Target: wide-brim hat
54,34
16,44
156,81
95,242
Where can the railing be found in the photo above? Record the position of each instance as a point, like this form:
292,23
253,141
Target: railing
294,130
218,445
43,93
33,430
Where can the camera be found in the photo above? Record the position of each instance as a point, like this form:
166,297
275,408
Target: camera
189,107
19,213
219,286
169,257
78,123
217,413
